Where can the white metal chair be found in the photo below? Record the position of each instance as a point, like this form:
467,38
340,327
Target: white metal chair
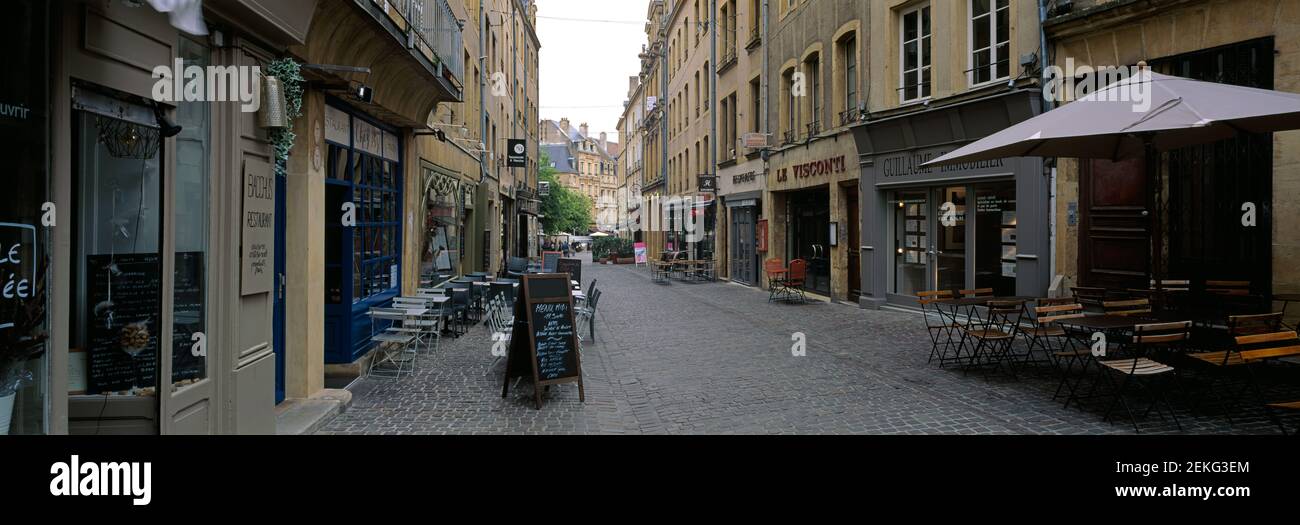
392,341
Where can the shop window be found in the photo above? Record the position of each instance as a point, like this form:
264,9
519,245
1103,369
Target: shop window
116,313
915,49
995,238
24,247
375,252
190,216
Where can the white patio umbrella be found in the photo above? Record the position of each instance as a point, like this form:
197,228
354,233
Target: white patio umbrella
1145,113
1173,112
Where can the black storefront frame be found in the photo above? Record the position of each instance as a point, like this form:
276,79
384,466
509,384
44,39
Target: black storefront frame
817,255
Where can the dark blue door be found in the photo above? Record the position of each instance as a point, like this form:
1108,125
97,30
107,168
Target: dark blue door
279,284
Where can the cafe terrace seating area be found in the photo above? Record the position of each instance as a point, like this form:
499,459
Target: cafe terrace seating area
1210,348
411,327
677,265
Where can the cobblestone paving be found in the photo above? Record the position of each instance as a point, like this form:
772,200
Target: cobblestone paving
716,358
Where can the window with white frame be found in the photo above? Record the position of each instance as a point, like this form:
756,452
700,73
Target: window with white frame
990,40
915,50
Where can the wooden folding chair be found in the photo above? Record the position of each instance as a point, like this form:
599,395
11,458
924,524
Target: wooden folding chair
995,335
937,324
1089,297
1147,339
1228,287
1127,307
1220,364
1044,327
1257,349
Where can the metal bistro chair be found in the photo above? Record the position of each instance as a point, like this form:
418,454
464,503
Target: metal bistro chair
459,308
775,271
1045,328
1221,364
500,320
589,310
1147,339
939,327
1257,350
590,288
427,327
504,291
995,335
392,341
794,281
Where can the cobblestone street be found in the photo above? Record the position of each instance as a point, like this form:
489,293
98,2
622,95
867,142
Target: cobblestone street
716,358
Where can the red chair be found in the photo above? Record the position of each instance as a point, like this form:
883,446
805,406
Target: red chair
794,280
775,271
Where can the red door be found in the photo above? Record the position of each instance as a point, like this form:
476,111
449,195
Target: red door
1115,225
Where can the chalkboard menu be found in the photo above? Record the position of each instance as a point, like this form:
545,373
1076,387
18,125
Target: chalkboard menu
187,305
124,296
549,260
571,266
545,341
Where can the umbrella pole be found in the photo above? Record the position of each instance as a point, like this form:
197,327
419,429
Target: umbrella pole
1157,222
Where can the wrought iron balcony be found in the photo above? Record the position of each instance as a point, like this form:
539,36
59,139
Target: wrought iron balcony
430,29
789,137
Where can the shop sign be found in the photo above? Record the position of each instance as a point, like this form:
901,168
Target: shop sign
708,184
336,125
911,166
367,138
516,153
812,169
17,265
257,228
744,178
390,147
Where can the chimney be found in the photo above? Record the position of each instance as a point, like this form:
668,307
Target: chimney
564,125
603,142
583,129
632,83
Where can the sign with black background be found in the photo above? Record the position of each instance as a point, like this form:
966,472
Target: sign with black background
545,340
708,183
124,295
571,266
516,153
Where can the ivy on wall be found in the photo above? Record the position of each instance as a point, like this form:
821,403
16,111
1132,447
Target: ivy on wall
289,72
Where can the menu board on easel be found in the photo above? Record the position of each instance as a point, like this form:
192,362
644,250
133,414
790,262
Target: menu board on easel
125,294
549,260
544,342
571,266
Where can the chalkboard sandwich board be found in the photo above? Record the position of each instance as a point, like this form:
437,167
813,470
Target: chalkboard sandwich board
548,261
571,266
545,341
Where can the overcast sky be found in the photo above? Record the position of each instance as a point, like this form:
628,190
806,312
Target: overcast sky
585,65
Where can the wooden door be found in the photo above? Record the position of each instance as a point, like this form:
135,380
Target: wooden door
1115,226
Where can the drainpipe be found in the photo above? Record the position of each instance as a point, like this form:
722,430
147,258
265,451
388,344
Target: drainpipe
482,116
713,109
1048,106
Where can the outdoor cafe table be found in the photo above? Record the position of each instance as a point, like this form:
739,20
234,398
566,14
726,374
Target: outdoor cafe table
970,303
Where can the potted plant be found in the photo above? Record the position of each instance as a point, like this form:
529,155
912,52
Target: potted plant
20,343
